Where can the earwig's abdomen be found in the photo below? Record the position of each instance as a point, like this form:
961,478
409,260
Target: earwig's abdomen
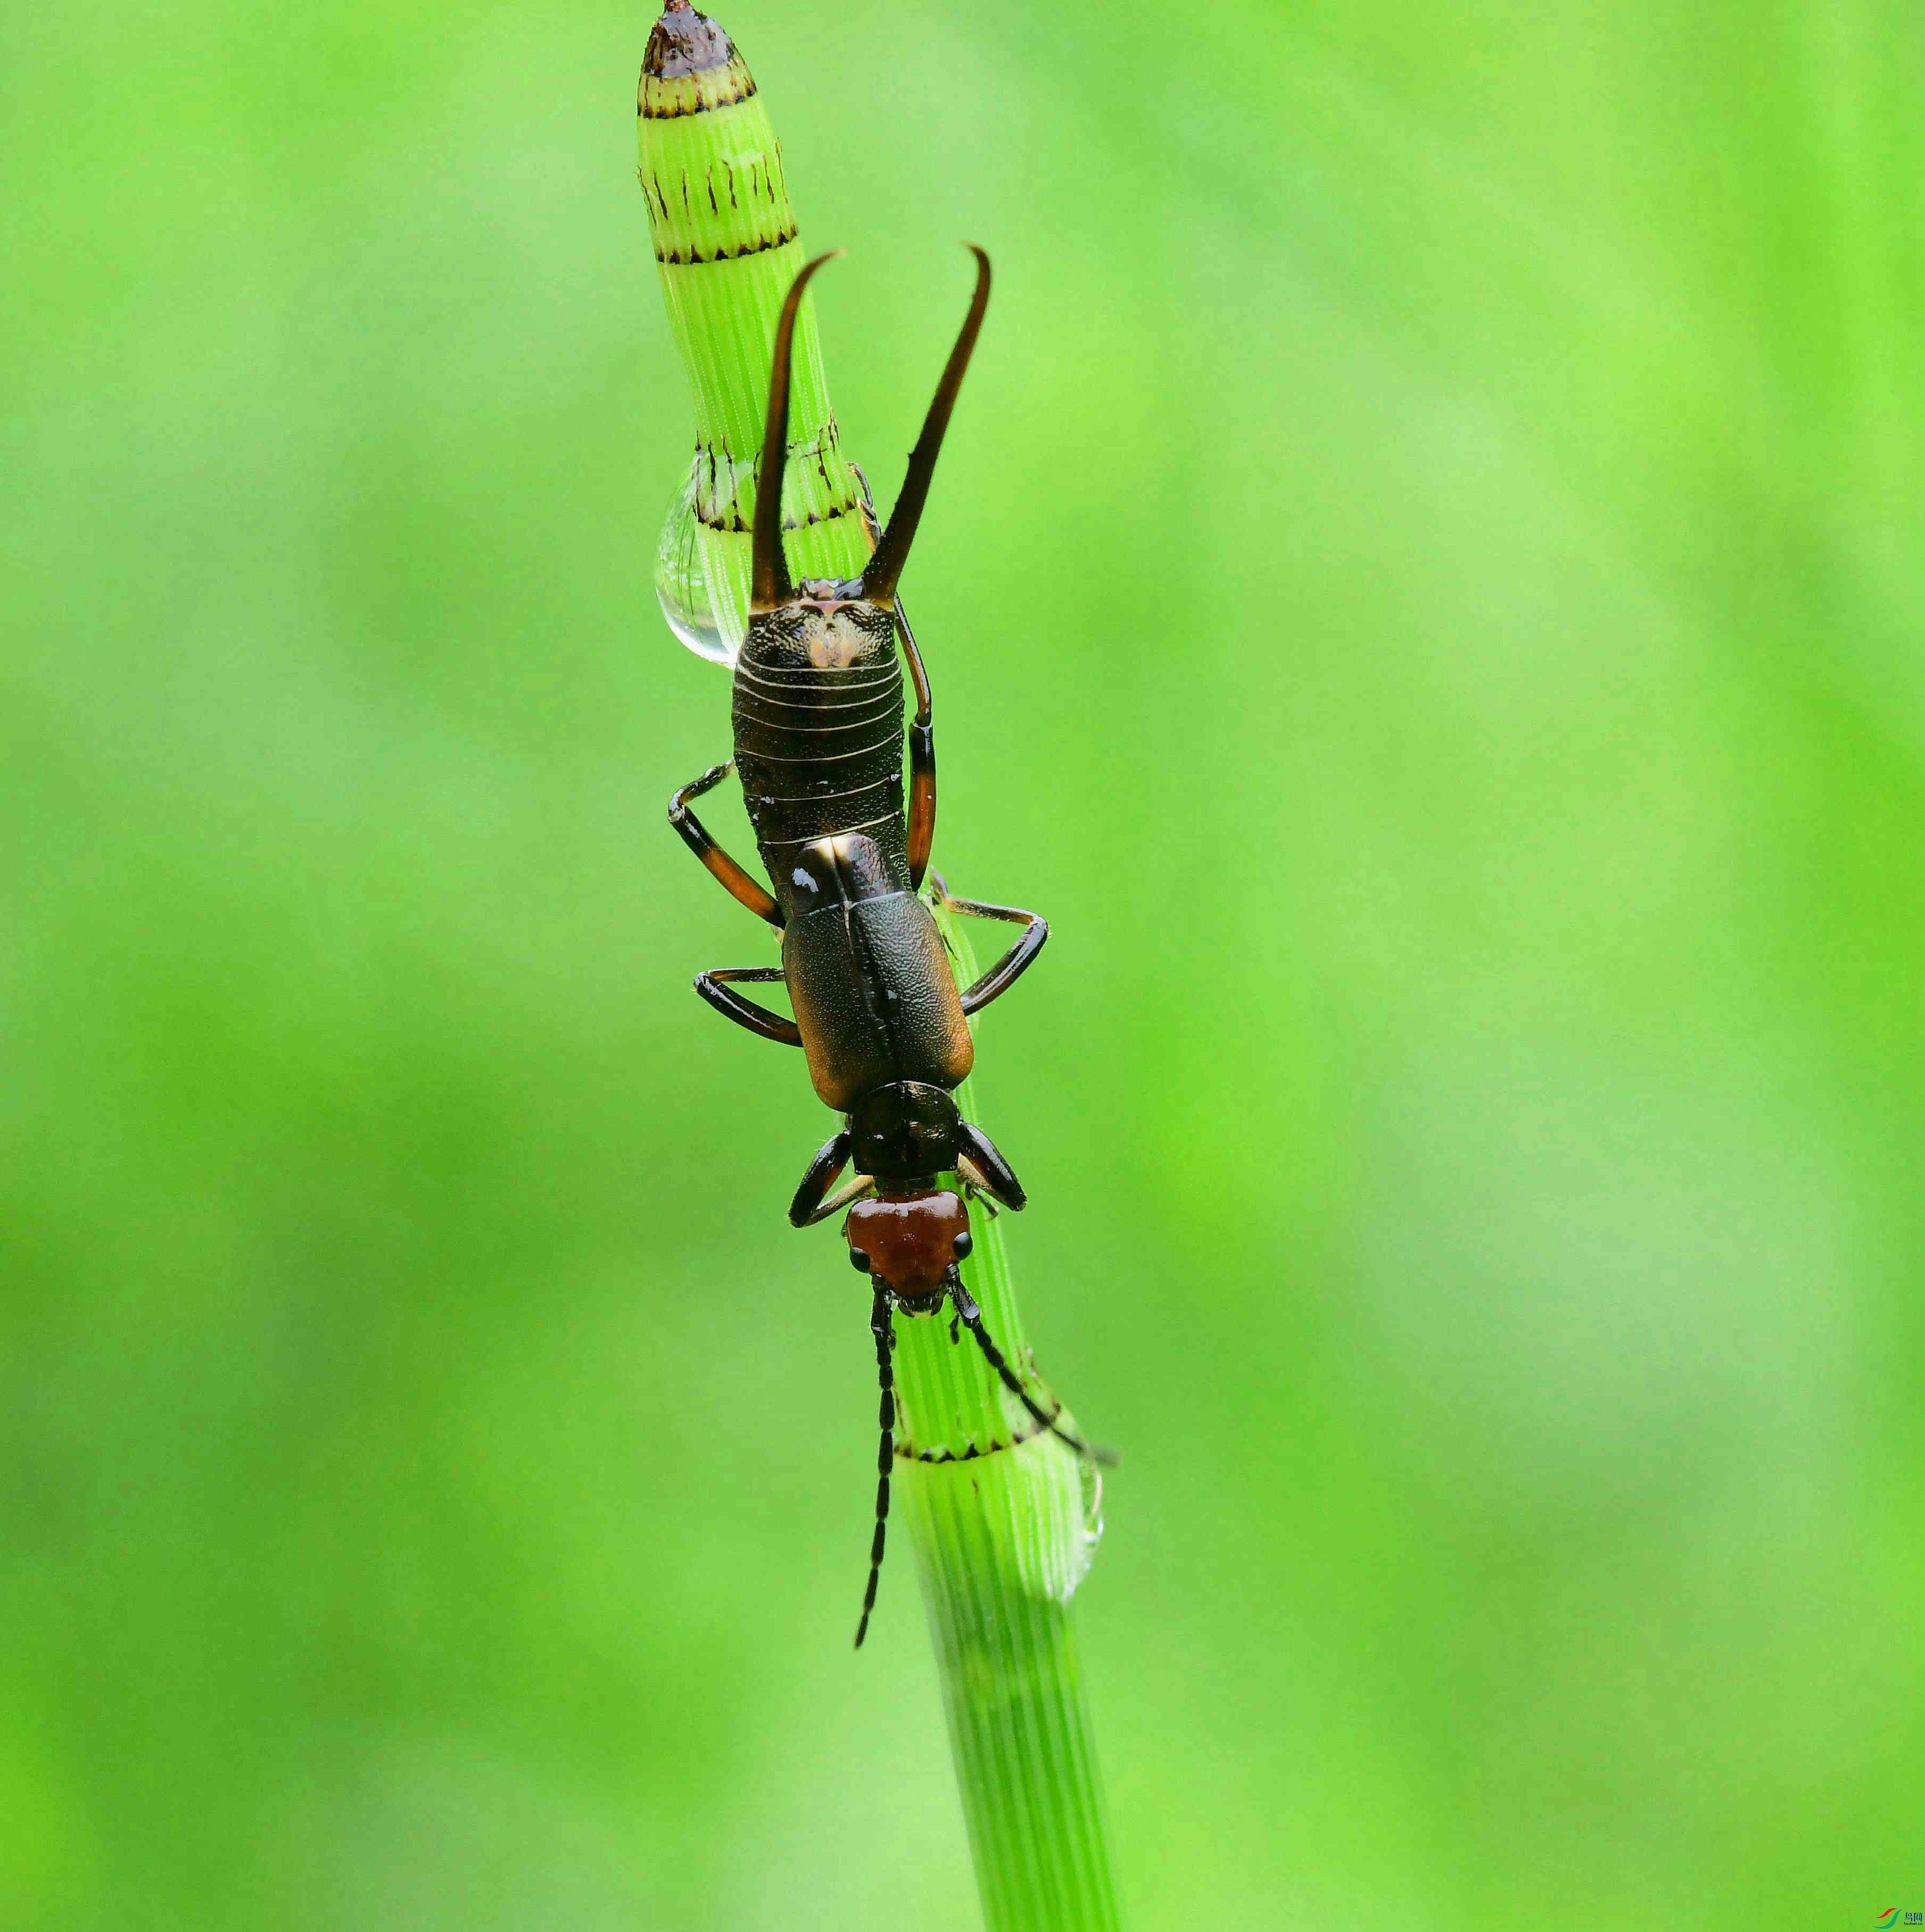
819,745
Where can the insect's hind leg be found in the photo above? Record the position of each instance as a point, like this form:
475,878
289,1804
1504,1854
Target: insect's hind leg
1014,963
922,727
714,987
881,1326
694,834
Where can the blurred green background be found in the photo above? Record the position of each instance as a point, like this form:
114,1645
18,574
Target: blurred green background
1426,592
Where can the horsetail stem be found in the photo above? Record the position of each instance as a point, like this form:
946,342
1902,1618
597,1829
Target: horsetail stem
727,246
1004,1519
1003,1516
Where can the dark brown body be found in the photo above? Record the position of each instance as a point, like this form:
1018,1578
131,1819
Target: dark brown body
819,745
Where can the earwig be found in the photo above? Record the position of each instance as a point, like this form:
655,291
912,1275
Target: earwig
820,741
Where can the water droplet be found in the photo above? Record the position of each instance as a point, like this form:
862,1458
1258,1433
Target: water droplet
693,581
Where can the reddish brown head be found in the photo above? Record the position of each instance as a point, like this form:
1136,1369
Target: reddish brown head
910,1244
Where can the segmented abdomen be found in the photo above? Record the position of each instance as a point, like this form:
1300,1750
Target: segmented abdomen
820,752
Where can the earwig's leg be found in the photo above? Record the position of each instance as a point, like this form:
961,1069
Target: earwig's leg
857,1187
971,1320
921,731
831,1158
694,835
981,1163
976,1185
714,987
881,1327
1014,963
922,761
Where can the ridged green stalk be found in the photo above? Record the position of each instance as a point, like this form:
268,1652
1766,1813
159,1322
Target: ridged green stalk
727,246
1003,1518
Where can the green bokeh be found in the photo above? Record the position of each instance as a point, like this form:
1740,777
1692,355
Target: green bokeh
1425,590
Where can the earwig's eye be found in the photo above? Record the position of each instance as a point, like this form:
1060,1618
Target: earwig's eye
859,1261
963,1244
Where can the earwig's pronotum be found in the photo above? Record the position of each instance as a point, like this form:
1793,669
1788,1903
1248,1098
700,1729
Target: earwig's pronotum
819,745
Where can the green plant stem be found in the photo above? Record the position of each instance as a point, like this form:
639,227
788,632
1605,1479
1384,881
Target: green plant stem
1004,1518
727,247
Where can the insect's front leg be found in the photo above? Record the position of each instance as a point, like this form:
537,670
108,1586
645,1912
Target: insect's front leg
813,1202
857,1187
982,1168
1014,963
974,1188
694,834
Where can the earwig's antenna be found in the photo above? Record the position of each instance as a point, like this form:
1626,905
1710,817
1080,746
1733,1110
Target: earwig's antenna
769,585
885,566
971,1320
881,1326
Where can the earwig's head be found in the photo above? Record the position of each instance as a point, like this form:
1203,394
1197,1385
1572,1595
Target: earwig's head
905,1133
858,599
913,1232
910,1244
